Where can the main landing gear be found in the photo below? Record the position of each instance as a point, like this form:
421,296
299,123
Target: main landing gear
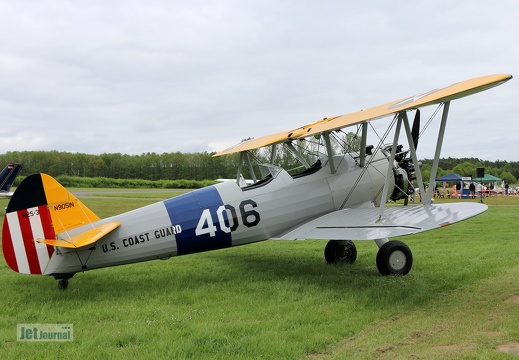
340,252
393,257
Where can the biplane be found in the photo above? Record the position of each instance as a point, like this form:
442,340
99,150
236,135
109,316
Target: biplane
337,192
7,176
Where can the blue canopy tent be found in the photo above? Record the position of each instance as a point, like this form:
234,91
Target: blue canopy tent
450,178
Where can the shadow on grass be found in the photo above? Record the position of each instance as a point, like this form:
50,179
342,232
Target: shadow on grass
284,270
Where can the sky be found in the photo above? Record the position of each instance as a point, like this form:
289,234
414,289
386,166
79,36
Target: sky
132,77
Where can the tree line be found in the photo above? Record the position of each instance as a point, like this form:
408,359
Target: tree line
147,166
506,171
199,166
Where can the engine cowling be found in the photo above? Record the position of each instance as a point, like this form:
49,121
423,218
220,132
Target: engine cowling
404,174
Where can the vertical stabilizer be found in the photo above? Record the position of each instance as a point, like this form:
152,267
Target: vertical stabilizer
40,208
7,177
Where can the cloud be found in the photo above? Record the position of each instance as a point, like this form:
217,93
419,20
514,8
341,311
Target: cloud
166,76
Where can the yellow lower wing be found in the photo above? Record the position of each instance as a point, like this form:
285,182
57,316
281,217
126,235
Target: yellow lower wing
85,238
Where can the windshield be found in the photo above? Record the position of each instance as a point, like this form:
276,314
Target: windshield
269,169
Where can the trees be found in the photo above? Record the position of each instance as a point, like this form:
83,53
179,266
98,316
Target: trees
468,166
465,169
508,178
202,165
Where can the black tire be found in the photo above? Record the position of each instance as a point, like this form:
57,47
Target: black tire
62,284
394,258
340,252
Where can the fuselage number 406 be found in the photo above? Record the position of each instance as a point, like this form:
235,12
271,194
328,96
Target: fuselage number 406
248,216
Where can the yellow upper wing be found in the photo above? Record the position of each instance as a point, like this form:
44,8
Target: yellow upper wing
455,91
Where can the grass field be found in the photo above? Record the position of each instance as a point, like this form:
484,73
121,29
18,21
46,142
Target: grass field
280,300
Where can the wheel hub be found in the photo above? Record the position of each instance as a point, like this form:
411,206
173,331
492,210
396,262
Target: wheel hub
397,260
344,253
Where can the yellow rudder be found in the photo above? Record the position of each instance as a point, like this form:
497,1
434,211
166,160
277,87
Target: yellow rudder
66,210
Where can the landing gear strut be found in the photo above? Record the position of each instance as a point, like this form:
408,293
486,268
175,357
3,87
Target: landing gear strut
394,258
340,252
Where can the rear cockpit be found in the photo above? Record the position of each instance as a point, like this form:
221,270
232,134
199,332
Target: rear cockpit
300,158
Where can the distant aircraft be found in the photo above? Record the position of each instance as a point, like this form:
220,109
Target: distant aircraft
335,195
7,177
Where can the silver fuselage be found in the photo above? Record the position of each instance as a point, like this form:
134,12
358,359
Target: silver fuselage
225,215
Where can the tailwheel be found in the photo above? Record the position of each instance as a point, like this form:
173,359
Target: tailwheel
394,258
340,252
63,280
63,284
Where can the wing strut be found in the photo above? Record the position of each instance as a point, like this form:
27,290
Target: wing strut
363,142
251,170
274,153
297,154
242,154
245,156
390,163
439,144
414,158
329,151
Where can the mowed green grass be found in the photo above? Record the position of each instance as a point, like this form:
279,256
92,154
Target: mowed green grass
280,300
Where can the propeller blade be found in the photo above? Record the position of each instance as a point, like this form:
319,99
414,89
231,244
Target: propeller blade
415,131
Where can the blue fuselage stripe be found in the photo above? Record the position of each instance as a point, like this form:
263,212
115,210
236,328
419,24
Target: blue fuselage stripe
186,210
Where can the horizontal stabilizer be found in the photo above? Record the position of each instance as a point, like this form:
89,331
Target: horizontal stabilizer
366,224
84,239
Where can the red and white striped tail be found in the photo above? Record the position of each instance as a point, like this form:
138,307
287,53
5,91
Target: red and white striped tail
27,217
21,252
40,208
